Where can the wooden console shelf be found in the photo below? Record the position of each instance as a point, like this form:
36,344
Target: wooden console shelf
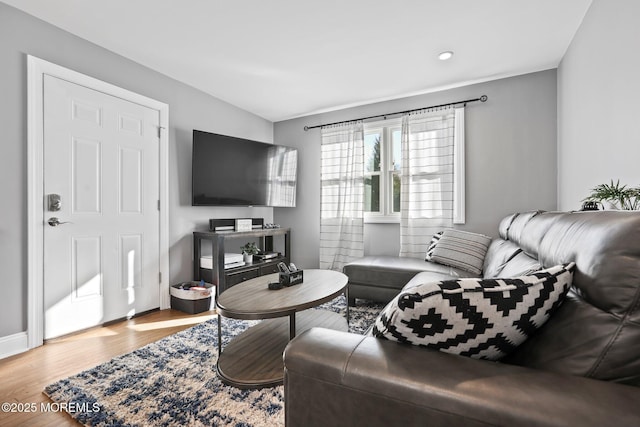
224,279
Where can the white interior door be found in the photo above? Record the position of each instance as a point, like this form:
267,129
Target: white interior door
101,244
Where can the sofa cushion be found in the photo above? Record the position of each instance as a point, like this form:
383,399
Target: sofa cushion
499,253
461,249
505,224
534,231
479,318
517,224
520,265
432,276
395,272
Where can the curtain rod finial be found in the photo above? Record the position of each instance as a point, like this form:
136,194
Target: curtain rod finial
484,98
306,128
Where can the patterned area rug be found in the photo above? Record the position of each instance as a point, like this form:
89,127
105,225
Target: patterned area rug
172,382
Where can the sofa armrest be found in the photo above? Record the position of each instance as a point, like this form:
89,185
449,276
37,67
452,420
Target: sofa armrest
336,378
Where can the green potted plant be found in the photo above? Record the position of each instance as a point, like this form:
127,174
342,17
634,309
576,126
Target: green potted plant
248,251
618,196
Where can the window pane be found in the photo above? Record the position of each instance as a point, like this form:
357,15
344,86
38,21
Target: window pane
396,192
397,150
372,193
372,152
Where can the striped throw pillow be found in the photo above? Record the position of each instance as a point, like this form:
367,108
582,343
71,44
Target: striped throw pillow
461,249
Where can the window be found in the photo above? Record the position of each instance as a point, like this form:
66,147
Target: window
382,164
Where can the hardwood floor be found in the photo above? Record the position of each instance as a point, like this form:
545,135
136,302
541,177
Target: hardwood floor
24,376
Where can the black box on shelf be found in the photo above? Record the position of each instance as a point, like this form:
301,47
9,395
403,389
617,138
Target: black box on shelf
267,256
218,224
229,224
191,297
292,278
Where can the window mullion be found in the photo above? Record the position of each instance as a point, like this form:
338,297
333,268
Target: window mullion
387,160
382,177
389,171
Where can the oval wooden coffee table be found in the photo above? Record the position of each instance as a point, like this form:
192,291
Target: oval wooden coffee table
253,359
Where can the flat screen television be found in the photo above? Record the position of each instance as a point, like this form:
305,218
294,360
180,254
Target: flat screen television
229,171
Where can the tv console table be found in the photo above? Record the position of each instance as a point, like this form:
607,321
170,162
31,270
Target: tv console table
224,279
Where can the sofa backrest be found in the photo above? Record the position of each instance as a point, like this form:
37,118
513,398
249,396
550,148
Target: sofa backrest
508,255
499,253
505,259
596,331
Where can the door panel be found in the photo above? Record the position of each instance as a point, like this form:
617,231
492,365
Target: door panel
86,112
101,155
86,172
86,268
130,254
130,181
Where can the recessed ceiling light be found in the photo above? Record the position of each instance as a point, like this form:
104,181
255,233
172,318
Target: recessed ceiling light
445,55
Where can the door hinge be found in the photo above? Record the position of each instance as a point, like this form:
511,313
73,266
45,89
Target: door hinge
160,276
158,204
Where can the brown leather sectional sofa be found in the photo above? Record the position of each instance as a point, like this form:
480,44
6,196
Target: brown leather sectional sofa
582,368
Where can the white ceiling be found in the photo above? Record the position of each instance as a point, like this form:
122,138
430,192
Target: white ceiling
288,58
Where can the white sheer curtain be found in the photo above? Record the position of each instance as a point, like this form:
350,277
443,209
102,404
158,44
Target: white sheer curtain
342,195
427,177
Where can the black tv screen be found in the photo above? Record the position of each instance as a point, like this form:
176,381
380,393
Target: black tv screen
229,171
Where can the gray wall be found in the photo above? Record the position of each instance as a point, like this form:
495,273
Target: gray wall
510,154
21,34
598,108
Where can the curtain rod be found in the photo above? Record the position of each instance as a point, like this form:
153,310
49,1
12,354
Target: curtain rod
483,98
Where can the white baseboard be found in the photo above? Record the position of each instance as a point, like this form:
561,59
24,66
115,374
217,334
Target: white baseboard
13,344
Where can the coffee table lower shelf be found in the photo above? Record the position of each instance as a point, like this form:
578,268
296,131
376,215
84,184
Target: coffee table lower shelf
253,359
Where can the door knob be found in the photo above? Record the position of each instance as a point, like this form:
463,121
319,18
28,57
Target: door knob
54,222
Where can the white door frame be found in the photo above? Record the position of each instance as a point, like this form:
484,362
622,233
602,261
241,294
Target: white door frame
36,69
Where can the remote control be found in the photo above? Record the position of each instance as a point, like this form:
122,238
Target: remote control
283,268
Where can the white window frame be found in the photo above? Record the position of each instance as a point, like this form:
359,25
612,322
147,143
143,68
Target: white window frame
385,128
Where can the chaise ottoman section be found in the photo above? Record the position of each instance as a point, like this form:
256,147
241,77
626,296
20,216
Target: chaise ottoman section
380,278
